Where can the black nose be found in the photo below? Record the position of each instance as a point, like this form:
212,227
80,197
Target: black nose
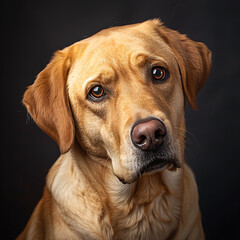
148,135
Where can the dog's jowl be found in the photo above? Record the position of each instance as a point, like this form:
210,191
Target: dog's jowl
114,103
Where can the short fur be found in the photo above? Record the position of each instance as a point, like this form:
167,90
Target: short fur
83,197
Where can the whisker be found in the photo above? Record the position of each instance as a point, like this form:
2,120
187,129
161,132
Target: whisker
189,133
188,136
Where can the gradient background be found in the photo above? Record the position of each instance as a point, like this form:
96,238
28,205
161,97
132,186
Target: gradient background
33,30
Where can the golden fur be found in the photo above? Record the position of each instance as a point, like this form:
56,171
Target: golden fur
83,197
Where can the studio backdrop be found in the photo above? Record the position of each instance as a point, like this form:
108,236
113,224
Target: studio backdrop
33,30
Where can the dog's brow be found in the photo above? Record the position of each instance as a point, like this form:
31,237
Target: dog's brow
142,58
103,76
89,80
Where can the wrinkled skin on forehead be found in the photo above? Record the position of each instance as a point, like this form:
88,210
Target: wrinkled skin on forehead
122,65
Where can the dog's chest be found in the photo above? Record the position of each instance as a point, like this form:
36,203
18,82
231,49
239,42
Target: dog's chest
150,218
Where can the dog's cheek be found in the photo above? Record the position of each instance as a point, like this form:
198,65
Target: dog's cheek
177,102
109,139
115,135
88,132
178,120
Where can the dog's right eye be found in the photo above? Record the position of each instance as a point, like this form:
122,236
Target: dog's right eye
96,92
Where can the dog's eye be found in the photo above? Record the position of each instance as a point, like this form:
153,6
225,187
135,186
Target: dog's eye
158,73
96,92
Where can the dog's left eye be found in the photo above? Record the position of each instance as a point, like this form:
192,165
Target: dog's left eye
96,92
159,73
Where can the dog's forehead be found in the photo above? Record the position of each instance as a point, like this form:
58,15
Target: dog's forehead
117,47
124,40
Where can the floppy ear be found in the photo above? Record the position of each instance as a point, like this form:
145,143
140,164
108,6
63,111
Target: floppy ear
194,60
47,101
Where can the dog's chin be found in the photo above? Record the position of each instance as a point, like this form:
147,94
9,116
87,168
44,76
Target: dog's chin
151,167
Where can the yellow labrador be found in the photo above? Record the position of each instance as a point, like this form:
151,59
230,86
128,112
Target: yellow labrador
114,103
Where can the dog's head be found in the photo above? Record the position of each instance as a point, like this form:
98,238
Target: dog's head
120,95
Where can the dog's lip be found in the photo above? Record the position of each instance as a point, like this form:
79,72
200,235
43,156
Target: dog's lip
153,165
121,179
159,165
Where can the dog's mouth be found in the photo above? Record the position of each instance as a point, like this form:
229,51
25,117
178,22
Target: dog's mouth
152,166
158,159
159,164
152,160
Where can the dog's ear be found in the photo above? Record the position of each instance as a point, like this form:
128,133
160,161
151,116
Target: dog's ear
194,60
47,101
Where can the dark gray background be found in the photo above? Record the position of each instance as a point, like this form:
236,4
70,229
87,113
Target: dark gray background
33,30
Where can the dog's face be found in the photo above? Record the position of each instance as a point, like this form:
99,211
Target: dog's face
130,80
126,88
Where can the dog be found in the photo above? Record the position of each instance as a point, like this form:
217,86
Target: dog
114,103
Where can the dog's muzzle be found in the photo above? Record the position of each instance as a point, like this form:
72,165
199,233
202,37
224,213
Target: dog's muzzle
149,136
